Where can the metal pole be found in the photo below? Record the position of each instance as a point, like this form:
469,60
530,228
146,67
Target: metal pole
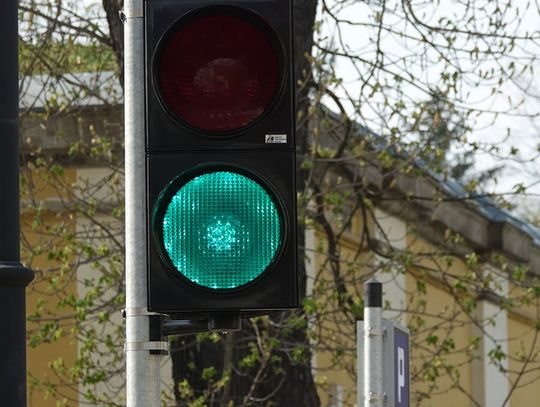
142,368
13,276
373,345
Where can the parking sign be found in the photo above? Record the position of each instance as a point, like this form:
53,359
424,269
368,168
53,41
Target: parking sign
395,367
401,360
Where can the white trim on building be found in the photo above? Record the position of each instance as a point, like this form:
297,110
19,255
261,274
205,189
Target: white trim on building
394,231
490,378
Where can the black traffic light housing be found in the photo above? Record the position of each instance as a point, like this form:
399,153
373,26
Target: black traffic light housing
183,142
163,18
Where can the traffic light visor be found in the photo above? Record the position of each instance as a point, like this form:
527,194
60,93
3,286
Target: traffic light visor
219,69
220,229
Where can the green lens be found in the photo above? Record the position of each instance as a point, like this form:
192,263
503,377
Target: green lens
221,230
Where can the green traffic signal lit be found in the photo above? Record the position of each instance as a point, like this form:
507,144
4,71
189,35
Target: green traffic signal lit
220,230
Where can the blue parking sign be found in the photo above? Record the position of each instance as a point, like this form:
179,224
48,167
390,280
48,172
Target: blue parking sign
401,354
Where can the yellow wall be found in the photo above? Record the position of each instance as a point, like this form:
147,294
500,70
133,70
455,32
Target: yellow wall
439,309
524,346
53,349
336,330
443,329
446,373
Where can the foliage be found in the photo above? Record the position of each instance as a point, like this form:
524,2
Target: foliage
60,58
440,128
368,109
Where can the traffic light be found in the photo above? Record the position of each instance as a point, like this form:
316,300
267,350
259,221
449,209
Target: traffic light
220,164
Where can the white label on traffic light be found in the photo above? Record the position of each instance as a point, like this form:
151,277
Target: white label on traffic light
275,139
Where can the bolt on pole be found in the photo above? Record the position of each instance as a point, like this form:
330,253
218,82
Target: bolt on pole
13,276
142,367
373,345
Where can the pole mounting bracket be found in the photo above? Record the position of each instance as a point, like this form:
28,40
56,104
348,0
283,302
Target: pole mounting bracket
154,347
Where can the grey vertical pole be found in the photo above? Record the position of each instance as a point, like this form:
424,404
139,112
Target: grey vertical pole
13,276
142,368
373,345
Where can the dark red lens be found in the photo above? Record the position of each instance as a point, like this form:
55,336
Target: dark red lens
218,73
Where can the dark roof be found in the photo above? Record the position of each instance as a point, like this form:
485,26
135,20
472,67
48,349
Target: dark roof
499,230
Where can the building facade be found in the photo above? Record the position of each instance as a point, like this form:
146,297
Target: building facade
456,269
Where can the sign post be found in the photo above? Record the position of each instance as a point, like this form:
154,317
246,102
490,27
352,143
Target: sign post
383,372
13,276
143,355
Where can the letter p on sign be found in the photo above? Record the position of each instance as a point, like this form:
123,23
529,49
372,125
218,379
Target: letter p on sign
400,372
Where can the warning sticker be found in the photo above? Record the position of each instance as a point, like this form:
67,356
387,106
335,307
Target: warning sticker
275,139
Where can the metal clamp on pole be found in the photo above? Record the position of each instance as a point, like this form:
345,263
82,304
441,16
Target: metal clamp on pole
157,344
370,331
154,347
373,345
137,312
